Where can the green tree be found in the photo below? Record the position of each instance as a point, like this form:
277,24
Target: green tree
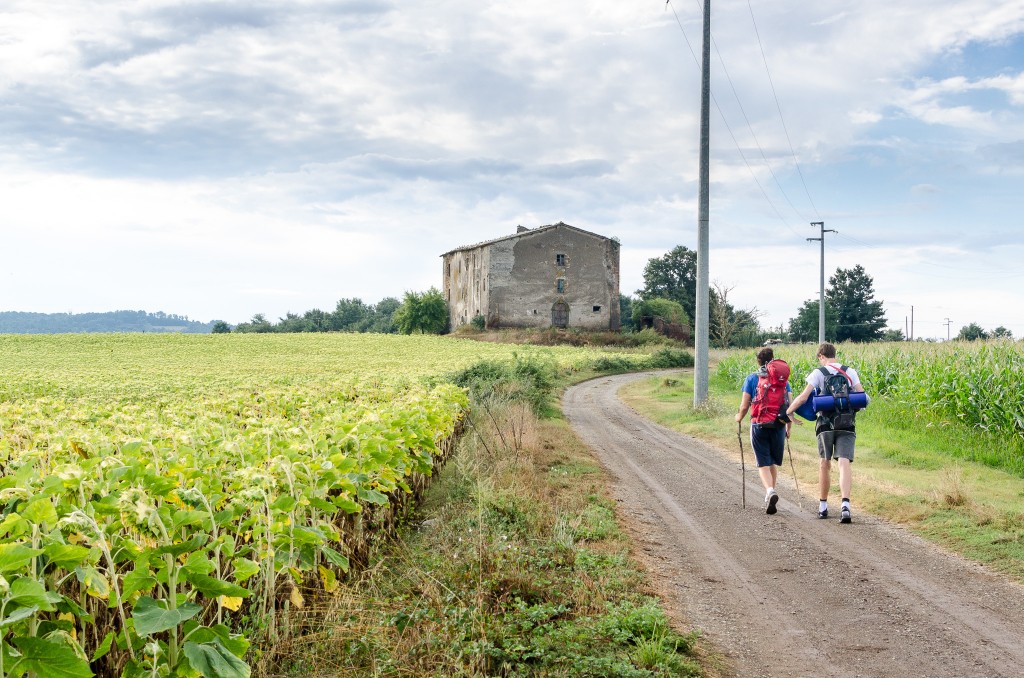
804,327
220,327
258,324
350,315
894,335
316,321
971,332
382,319
673,276
626,312
1002,333
291,322
425,313
851,294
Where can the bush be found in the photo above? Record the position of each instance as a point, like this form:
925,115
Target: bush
671,357
671,311
528,379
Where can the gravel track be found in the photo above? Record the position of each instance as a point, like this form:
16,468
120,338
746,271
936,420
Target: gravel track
789,594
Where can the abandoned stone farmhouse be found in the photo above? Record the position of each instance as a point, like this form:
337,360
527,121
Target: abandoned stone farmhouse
549,276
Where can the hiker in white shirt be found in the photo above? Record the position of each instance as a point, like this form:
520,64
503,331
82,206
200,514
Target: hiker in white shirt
832,443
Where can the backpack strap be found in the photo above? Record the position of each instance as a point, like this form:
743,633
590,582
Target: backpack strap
841,369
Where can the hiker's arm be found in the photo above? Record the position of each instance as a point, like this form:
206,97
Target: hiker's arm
744,406
800,400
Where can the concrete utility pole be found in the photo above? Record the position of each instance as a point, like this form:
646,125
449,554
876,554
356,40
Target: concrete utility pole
821,293
700,369
947,324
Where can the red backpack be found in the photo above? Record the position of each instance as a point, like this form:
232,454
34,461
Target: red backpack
770,400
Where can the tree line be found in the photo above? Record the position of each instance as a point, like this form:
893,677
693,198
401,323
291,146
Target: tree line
851,311
425,312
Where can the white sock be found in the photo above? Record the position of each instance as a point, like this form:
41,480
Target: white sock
846,504
822,505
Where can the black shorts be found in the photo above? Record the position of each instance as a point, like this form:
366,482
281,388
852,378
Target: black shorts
769,442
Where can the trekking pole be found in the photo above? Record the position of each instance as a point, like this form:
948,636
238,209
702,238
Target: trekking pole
743,463
799,499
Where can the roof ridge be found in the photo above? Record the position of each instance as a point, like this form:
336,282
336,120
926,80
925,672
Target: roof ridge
525,232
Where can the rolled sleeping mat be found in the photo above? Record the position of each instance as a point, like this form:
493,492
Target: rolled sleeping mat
826,403
806,410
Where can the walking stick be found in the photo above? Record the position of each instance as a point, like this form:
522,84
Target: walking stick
792,466
743,463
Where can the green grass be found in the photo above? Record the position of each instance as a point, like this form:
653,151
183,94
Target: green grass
945,481
523,570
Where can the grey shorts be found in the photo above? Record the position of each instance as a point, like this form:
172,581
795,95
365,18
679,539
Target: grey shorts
836,444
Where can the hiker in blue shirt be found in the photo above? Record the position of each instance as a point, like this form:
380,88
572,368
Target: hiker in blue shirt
769,426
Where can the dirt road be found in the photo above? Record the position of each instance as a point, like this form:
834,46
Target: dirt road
789,594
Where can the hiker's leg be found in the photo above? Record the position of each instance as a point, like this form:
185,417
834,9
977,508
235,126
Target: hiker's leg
844,442
824,478
845,477
825,442
761,439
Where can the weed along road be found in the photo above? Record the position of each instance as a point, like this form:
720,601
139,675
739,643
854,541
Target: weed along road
789,594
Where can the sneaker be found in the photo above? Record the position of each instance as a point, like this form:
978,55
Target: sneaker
771,500
844,515
823,513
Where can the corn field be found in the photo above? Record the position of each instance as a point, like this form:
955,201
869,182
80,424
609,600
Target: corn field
978,384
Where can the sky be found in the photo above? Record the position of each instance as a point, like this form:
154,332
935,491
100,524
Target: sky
223,159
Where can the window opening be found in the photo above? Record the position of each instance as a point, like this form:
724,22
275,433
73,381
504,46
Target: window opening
597,309
559,260
560,285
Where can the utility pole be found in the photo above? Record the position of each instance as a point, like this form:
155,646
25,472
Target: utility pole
821,289
700,370
911,323
947,324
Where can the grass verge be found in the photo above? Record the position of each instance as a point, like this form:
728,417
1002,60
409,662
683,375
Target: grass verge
932,479
514,565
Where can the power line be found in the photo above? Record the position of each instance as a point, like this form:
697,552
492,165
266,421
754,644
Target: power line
750,127
732,134
779,108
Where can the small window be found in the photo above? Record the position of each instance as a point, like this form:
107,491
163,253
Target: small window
560,285
597,309
559,260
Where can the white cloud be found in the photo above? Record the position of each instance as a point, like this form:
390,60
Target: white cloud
220,159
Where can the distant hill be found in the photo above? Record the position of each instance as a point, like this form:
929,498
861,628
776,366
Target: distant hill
15,322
